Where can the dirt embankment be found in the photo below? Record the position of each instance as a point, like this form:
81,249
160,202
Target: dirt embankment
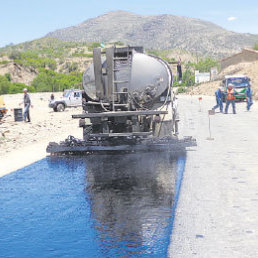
18,72
23,143
249,69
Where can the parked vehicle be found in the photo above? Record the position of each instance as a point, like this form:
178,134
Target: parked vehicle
240,82
3,109
71,98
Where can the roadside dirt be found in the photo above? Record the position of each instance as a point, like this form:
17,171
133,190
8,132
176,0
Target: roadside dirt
46,125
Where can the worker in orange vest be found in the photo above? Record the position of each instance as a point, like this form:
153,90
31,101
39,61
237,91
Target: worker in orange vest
230,94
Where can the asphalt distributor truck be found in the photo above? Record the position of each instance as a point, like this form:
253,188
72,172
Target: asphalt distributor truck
128,105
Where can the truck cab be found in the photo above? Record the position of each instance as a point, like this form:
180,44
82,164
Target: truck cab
240,82
70,98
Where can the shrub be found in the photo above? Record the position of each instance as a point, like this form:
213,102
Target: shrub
4,85
205,65
8,76
4,62
18,87
181,89
82,55
32,58
71,67
92,45
45,81
15,55
118,43
48,80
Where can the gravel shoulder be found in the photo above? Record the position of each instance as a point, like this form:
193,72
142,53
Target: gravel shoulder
21,143
218,204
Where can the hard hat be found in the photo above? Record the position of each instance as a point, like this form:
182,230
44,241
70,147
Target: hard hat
25,89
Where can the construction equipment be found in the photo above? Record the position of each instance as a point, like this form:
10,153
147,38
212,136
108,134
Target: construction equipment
128,104
240,83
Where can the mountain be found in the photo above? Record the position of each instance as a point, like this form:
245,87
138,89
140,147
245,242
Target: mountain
158,32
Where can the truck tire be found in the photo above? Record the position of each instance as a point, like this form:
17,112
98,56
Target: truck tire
55,109
60,107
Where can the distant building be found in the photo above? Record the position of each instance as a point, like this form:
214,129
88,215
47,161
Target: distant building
246,55
202,77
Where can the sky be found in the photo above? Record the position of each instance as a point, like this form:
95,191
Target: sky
25,20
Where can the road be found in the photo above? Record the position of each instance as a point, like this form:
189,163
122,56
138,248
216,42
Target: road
218,204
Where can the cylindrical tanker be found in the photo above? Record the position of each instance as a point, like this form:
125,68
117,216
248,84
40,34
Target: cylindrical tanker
128,106
143,77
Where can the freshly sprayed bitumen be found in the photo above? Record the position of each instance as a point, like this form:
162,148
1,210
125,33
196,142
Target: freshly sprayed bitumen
95,206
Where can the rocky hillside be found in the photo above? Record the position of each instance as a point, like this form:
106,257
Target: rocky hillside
22,63
158,32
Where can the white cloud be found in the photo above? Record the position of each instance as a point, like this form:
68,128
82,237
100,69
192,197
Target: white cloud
232,18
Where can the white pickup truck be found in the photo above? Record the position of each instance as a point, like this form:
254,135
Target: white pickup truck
71,98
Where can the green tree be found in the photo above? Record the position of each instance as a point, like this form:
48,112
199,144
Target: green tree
8,76
15,54
4,85
71,67
92,45
45,81
205,65
256,46
48,80
18,87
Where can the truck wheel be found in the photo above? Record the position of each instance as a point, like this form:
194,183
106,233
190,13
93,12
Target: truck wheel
60,107
55,109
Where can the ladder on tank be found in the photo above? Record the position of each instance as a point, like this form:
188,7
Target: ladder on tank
125,62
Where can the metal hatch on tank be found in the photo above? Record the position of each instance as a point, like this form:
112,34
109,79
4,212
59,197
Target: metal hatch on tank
128,105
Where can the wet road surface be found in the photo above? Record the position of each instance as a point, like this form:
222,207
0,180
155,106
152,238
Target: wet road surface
96,206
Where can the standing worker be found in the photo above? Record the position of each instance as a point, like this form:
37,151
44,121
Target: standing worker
230,95
27,104
249,97
52,97
219,95
179,70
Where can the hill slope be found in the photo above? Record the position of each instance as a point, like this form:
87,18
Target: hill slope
158,32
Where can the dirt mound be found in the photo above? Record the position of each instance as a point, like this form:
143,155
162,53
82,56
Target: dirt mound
18,72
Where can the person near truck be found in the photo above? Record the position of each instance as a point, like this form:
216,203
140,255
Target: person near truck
249,97
230,97
27,104
219,96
